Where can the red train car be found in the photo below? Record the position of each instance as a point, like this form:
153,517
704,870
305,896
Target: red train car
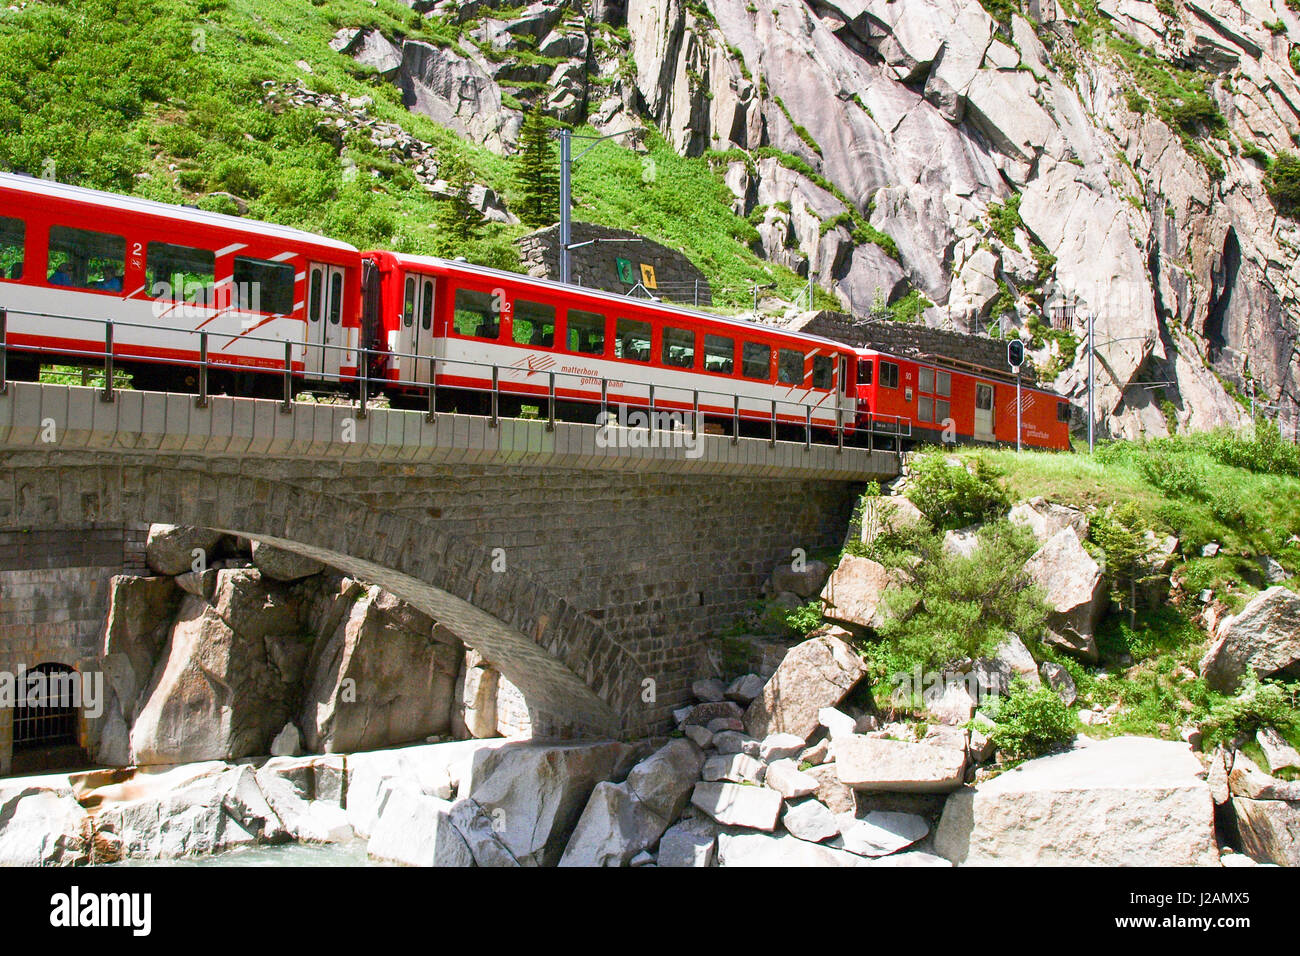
465,319
162,273
942,401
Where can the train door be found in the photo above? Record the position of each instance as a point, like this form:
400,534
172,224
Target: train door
324,321
422,328
983,411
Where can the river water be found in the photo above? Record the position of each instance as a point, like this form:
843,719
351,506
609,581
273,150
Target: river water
288,854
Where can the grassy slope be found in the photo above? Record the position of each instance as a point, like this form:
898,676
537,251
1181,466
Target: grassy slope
108,89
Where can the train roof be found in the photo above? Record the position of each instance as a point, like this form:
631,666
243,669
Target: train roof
434,262
957,365
185,214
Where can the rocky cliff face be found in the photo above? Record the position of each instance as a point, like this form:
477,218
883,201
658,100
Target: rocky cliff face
1109,155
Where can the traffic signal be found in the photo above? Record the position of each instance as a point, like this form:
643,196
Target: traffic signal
1015,353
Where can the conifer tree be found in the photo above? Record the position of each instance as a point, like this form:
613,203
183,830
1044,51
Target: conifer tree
538,172
455,218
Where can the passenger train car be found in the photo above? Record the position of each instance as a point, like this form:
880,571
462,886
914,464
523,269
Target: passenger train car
168,285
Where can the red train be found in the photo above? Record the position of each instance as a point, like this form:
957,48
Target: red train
80,268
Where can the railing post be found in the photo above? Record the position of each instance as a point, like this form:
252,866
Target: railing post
695,413
286,407
735,419
871,433
202,400
772,441
431,415
363,389
839,428
604,400
107,394
807,428
496,398
4,352
650,418
550,404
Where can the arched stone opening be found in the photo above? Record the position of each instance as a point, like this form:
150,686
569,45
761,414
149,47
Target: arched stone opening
47,728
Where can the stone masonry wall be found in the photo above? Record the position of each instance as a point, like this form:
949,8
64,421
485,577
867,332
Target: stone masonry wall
595,266
658,559
902,338
54,598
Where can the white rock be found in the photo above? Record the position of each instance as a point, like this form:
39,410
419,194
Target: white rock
287,743
837,722
786,778
881,832
734,805
866,763
780,746
687,844
1277,751
416,829
781,849
810,820
738,768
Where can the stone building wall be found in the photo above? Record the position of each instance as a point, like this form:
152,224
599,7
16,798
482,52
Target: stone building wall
54,589
904,338
596,266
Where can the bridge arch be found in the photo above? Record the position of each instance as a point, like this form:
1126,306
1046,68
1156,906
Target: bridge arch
564,663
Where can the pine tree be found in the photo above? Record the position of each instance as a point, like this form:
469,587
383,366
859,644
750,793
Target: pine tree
455,218
538,172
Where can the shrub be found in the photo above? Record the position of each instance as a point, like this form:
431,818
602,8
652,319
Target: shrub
1260,704
951,497
802,620
1283,184
1264,452
1031,723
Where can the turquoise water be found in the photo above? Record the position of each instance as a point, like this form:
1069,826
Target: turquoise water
288,854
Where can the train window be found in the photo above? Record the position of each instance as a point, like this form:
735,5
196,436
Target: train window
943,384
263,286
179,273
679,347
336,300
789,367
865,369
534,323
1062,411
942,411
925,409
719,354
632,340
823,371
476,315
888,375
408,309
586,332
925,380
86,260
313,310
426,306
757,361
13,232
984,398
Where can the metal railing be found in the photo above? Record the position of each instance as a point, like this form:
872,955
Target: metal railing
659,408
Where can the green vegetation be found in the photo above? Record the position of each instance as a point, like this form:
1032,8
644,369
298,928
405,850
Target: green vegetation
1031,722
1283,184
1004,219
951,496
909,308
1260,704
799,131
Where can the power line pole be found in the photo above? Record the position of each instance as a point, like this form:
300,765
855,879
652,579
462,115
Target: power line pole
565,151
1092,352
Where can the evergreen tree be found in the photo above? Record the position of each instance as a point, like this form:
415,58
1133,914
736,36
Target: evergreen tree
538,171
455,218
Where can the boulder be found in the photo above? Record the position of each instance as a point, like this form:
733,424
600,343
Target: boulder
215,696
476,691
810,820
373,683
780,746
1245,779
737,768
140,614
1059,679
734,742
1263,639
1047,518
663,781
710,689
836,722
831,791
1277,751
287,743
479,831
701,714
1125,801
1010,660
306,794
174,549
614,827
881,832
778,850
817,673
1075,588
535,792
819,753
855,592
868,763
281,565
745,688
1269,829
42,826
785,777
731,804
416,829
963,543
805,581
688,843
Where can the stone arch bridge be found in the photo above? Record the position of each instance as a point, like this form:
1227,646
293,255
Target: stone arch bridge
580,571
